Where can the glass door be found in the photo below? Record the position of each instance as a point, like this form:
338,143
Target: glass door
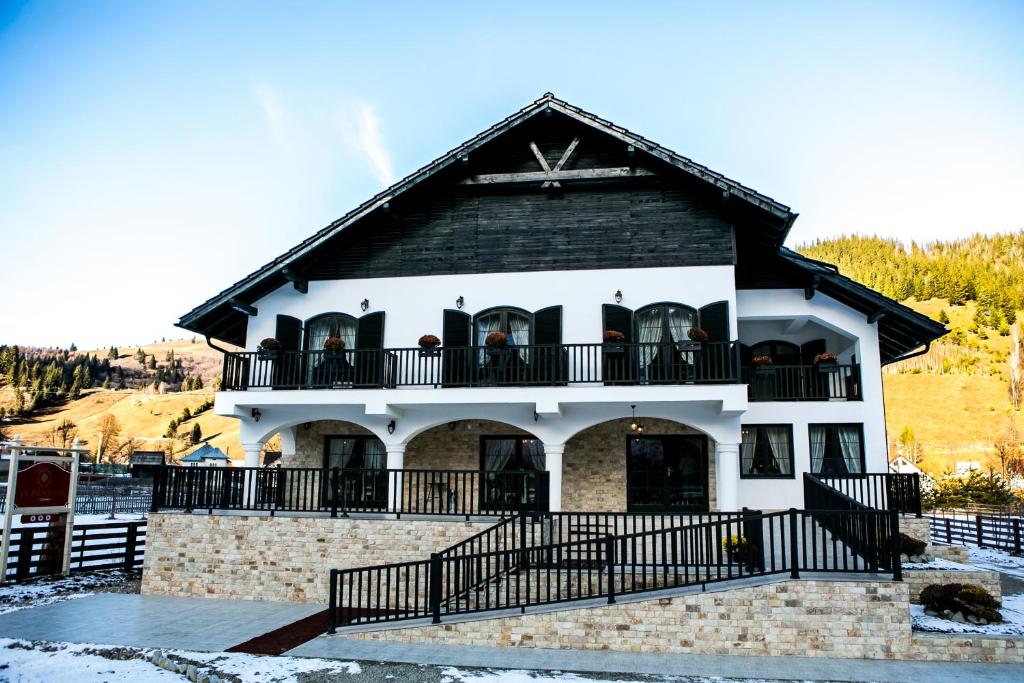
363,478
667,473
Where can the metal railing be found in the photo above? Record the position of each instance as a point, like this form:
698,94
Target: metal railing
481,366
462,493
803,382
882,491
514,573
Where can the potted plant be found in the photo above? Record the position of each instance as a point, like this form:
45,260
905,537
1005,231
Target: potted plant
762,364
698,337
739,550
268,349
497,344
825,361
614,341
334,347
429,346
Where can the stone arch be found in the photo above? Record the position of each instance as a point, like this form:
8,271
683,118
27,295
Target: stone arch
309,440
594,462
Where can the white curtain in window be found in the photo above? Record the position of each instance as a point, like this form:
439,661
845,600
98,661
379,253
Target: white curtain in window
519,326
374,454
849,443
534,451
497,453
329,326
680,321
484,326
339,452
817,448
649,334
778,439
747,449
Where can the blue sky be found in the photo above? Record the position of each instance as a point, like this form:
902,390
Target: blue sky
152,153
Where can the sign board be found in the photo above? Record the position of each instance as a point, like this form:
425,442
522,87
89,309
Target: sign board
148,458
44,484
50,518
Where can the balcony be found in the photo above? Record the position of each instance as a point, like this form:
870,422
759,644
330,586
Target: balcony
534,365
803,382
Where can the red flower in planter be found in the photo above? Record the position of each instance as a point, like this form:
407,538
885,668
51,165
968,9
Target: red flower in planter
697,334
429,341
763,359
334,344
496,340
270,344
614,337
825,357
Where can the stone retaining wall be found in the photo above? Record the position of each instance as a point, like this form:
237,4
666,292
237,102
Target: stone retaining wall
917,579
279,558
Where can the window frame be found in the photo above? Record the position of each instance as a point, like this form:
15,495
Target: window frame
361,440
666,331
504,311
792,452
860,437
518,438
307,326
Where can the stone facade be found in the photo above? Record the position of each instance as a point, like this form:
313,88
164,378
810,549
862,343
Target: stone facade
953,553
279,558
594,464
844,619
917,579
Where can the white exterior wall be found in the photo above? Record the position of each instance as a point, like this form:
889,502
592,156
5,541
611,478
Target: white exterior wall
414,307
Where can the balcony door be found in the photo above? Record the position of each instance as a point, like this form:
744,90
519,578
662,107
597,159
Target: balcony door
667,474
511,468
361,461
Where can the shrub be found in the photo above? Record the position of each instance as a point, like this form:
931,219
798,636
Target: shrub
911,546
763,359
614,337
825,357
270,344
429,341
334,344
497,340
740,549
697,334
967,599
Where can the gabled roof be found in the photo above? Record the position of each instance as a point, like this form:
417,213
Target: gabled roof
205,452
270,275
900,329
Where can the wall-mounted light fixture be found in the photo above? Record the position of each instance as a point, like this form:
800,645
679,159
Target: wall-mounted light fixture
256,414
536,417
364,304
391,427
459,302
618,296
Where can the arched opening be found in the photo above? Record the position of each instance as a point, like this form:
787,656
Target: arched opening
667,468
781,352
494,466
322,327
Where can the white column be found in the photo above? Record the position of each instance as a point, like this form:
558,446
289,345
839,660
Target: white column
396,461
553,464
252,454
727,475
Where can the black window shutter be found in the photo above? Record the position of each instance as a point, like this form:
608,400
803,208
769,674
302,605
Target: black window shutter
618,318
547,325
289,332
456,328
370,332
811,349
714,319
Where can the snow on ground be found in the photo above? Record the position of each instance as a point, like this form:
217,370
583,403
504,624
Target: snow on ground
1012,611
24,662
259,668
939,563
997,561
57,589
454,675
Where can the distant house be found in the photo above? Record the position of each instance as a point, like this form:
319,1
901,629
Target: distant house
967,466
144,463
901,465
206,456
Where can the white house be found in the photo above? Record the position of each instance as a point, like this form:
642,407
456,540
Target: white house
653,345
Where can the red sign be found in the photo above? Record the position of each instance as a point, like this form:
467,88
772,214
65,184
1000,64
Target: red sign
42,485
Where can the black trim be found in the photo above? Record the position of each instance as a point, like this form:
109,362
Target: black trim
792,456
832,425
633,506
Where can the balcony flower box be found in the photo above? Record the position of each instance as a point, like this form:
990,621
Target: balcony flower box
429,346
826,362
497,344
334,348
763,365
698,338
269,349
614,342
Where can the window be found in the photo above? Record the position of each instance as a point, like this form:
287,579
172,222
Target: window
766,451
782,353
837,448
320,328
503,460
512,321
662,324
362,460
511,454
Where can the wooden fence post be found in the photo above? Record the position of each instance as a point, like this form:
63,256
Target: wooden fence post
609,551
435,587
23,567
794,553
1016,537
949,532
979,531
131,540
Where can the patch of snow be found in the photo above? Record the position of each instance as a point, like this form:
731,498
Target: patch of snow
997,561
939,563
1013,620
26,662
455,675
264,669
48,590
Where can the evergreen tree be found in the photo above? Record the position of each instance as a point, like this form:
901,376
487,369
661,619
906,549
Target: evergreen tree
197,433
140,356
112,354
943,317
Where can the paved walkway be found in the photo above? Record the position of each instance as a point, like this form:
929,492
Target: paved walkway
152,621
738,666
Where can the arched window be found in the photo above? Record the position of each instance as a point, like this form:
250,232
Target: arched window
662,323
781,352
320,328
514,322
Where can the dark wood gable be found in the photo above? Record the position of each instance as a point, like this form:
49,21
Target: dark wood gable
461,221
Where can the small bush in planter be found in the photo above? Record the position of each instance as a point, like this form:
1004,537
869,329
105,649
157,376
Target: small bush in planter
698,334
334,345
429,341
961,602
739,549
910,546
614,337
762,360
496,340
270,344
826,357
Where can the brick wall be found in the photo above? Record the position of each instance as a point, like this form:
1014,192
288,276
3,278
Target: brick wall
279,558
309,443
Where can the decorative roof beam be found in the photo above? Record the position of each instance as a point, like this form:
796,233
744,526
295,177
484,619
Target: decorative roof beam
300,283
810,289
547,176
876,316
243,307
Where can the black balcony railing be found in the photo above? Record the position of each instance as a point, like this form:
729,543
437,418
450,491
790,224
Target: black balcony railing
888,491
339,491
803,382
474,366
